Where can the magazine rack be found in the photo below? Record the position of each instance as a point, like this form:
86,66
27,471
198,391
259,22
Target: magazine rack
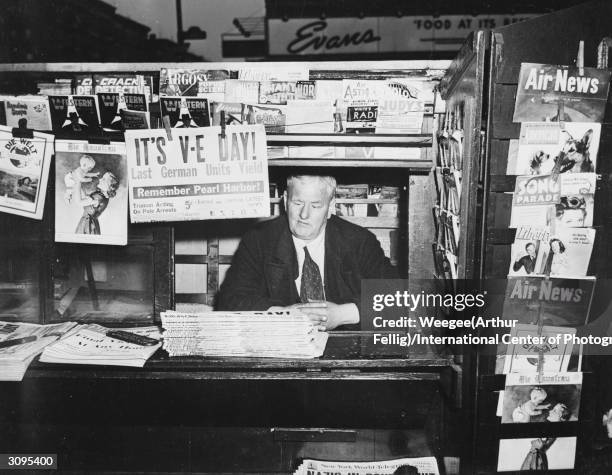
537,41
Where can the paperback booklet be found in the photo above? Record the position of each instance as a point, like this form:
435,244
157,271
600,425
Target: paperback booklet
548,300
533,453
241,91
274,119
112,103
74,113
567,252
233,112
186,112
541,397
193,82
24,171
90,193
545,200
545,90
527,250
533,358
276,92
35,109
553,148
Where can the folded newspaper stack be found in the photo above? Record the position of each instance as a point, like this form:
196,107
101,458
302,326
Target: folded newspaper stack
21,342
421,465
91,344
246,334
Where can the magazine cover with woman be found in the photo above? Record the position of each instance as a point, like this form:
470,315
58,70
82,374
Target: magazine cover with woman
90,193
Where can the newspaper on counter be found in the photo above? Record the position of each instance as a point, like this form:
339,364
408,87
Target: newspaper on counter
90,344
286,334
14,360
198,174
24,171
424,466
33,108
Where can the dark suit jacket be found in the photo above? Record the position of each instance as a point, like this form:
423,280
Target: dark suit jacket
265,267
527,262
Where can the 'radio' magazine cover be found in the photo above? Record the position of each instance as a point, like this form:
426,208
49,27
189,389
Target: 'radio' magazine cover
544,90
90,193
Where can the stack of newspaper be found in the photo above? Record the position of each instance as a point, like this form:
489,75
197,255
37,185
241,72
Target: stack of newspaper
91,344
21,342
284,334
421,465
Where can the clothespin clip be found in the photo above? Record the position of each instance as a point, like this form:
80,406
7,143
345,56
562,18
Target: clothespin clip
580,58
540,367
222,115
166,122
602,52
22,131
561,114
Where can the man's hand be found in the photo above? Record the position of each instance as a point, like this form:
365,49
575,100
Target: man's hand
327,315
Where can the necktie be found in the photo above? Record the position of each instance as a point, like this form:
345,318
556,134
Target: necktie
312,285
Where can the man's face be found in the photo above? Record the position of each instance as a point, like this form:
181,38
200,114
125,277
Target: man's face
308,207
531,250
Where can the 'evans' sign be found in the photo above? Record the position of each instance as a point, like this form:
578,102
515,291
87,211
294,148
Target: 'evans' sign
313,36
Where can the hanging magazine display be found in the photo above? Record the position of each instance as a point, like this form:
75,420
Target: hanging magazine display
544,397
536,453
90,193
74,113
113,106
24,170
198,174
545,91
538,353
33,108
562,201
551,148
552,301
185,112
193,82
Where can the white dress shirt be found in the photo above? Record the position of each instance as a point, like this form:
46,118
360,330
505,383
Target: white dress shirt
316,249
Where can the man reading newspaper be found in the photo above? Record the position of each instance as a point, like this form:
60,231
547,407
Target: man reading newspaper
307,259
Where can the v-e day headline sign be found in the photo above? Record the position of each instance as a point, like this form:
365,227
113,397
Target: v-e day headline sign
199,174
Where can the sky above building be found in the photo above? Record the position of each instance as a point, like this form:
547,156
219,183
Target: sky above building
215,17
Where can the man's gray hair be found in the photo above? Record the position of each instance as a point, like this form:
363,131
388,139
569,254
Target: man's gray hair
328,181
